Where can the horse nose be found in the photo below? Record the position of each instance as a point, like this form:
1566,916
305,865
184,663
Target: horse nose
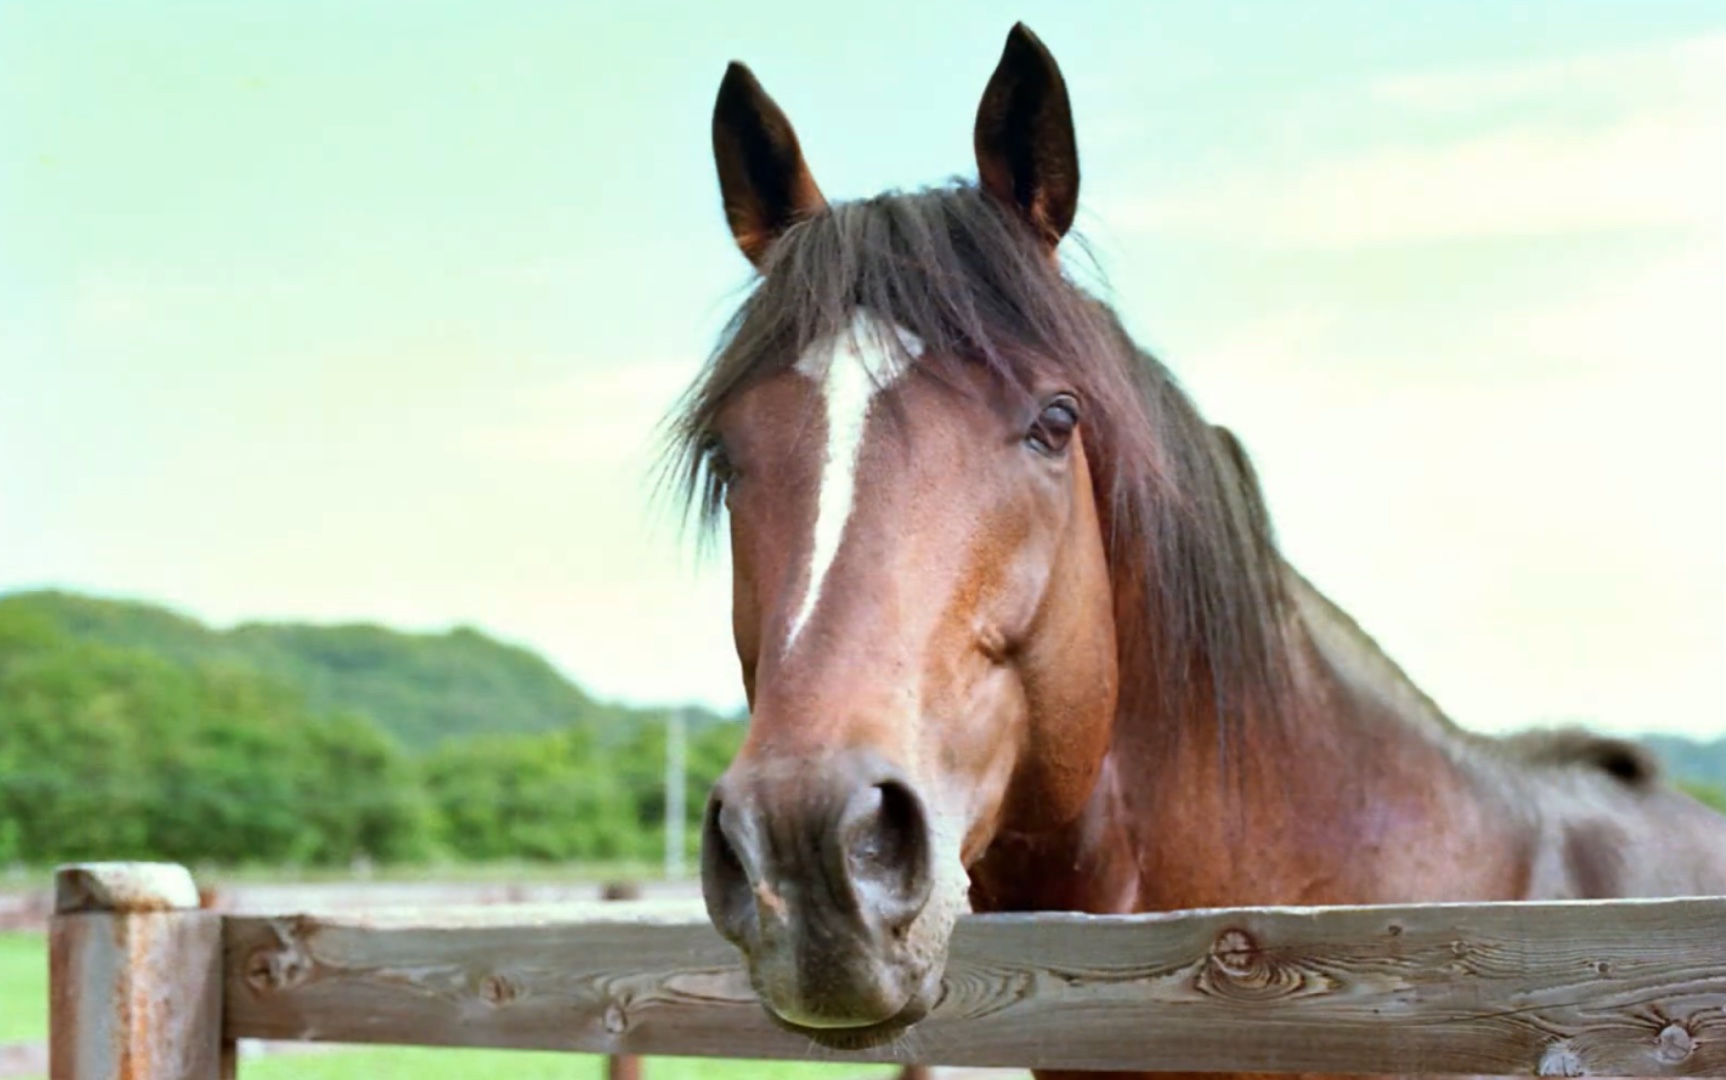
883,840
731,851
846,838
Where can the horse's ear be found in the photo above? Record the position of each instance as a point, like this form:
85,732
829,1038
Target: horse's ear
1233,448
1026,153
762,177
1237,455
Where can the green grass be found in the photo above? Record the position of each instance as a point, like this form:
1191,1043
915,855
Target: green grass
23,987
434,1064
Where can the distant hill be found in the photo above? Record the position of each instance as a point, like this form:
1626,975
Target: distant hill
422,688
1690,760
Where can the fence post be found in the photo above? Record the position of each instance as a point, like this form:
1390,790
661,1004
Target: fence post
135,976
622,1066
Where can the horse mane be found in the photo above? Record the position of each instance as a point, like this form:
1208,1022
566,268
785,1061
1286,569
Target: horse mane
1200,603
1634,765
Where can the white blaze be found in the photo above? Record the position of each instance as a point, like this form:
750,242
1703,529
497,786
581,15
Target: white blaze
850,371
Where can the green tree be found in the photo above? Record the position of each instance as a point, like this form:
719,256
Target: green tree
547,797
109,752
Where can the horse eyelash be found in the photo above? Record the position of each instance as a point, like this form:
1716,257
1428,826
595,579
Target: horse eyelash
719,472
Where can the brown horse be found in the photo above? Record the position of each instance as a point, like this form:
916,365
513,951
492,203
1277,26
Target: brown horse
1013,627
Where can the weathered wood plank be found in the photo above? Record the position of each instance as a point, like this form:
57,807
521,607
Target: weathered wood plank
135,977
1630,988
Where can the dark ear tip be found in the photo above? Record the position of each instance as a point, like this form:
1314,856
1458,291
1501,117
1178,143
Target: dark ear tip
738,78
739,95
1021,38
739,88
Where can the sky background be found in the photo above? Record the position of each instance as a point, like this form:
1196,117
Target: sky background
367,311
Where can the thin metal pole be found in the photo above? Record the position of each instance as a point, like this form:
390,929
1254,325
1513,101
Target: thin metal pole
674,788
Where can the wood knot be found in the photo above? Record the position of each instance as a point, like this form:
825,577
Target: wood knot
1560,1060
497,989
283,965
1235,954
616,1020
1674,1044
271,969
1241,969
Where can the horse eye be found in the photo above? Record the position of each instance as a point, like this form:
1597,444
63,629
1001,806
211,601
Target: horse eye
1054,426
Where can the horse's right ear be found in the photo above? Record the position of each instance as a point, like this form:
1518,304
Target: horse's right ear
763,180
1027,156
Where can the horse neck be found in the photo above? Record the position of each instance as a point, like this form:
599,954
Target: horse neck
1315,796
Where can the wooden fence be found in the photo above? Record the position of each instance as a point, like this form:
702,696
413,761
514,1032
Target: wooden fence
146,986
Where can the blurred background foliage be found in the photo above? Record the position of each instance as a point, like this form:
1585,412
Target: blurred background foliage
128,731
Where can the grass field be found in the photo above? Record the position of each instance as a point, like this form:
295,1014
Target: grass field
23,987
24,1018
405,1063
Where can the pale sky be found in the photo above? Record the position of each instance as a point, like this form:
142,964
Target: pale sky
361,311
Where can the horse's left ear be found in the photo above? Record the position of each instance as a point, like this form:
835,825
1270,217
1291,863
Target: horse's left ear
1246,473
763,179
1232,447
1026,152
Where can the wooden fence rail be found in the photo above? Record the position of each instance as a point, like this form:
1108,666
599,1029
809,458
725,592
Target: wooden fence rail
1616,988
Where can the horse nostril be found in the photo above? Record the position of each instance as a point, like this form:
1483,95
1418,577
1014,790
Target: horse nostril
885,833
725,873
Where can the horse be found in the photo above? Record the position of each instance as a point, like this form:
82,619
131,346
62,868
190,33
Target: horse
1012,623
